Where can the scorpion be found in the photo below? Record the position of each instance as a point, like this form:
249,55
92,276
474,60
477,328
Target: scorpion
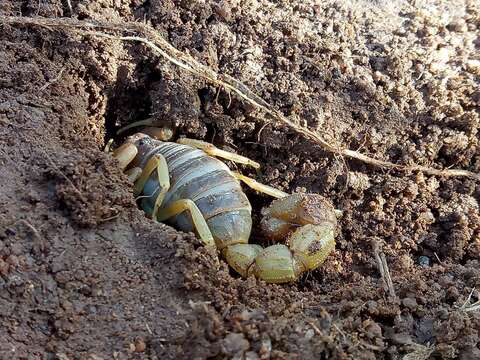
185,184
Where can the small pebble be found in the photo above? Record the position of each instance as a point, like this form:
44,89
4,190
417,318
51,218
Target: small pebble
265,349
401,339
140,345
424,261
251,355
373,330
235,343
458,25
473,66
442,314
410,303
13,260
3,268
94,357
309,334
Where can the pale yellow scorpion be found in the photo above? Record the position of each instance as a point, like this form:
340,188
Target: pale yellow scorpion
185,184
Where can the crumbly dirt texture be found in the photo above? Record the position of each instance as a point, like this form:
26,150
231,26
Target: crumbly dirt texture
85,275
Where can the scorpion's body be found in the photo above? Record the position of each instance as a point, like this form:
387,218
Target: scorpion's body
205,180
194,191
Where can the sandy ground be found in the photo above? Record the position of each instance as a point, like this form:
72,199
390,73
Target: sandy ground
84,275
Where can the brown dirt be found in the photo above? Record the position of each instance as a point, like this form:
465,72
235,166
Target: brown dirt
84,275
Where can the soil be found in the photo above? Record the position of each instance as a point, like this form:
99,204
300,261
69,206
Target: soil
85,275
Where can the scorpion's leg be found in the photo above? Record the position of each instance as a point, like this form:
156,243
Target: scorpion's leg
125,154
159,163
212,150
198,220
159,133
255,185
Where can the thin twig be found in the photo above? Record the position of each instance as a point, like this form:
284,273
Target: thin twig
109,218
315,327
30,227
53,80
473,307
383,268
160,46
468,299
69,5
39,244
340,332
467,307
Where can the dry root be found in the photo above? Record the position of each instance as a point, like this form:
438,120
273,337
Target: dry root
383,268
146,35
468,306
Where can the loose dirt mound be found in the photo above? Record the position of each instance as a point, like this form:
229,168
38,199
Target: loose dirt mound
84,275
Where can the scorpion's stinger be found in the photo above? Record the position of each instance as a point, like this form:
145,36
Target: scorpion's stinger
198,220
212,150
312,243
255,185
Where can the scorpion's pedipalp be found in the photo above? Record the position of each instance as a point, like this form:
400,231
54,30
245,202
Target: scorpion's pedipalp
212,150
145,122
255,185
198,220
125,154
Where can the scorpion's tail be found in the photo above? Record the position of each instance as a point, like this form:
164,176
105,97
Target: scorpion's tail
309,219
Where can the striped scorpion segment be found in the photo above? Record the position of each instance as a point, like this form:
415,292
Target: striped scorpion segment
219,209
208,182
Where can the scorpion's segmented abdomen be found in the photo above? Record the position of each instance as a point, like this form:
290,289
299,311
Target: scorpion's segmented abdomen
208,182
